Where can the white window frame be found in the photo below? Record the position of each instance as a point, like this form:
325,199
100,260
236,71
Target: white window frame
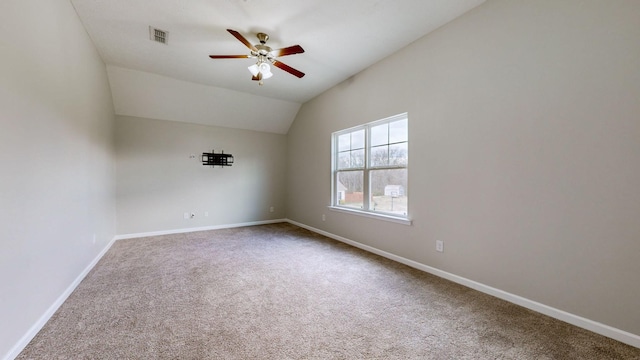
366,169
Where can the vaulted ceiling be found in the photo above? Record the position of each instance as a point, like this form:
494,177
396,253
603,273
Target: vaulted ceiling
178,81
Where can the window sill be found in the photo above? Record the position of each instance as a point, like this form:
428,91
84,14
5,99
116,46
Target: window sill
372,215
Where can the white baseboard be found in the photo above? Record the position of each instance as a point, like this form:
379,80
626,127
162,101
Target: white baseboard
596,327
204,228
605,330
33,331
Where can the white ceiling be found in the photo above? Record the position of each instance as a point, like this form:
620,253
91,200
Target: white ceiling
340,38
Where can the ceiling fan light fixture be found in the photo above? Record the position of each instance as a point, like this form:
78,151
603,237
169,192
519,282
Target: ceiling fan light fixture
261,68
265,69
254,70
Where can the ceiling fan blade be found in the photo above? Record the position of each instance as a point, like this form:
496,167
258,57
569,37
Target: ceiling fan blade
295,49
288,68
242,40
228,56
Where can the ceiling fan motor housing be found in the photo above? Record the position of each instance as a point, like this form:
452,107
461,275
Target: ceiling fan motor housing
263,49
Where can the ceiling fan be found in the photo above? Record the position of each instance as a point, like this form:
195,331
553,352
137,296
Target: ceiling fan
261,70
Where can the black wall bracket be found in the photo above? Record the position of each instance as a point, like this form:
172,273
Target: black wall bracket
213,159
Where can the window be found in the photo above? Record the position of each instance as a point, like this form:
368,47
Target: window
370,165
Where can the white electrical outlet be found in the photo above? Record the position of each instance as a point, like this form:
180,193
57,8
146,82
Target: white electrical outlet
324,218
186,215
271,209
206,213
439,246
94,238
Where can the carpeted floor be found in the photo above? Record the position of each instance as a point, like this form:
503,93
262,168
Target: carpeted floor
282,292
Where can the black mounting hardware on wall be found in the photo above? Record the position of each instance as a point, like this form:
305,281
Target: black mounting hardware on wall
213,159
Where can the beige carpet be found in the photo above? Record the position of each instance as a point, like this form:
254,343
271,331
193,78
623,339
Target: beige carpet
281,292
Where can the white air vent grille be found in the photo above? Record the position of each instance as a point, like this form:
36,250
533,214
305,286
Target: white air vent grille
158,35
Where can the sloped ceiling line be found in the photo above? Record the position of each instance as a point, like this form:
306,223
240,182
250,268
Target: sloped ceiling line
340,38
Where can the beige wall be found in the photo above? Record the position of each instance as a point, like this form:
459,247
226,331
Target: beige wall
525,157
57,177
524,153
158,182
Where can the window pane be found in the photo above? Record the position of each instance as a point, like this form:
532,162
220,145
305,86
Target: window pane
344,142
398,131
349,189
380,156
388,191
357,158
357,139
344,159
398,154
380,135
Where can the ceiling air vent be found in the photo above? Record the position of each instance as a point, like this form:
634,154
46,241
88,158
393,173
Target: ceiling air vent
158,35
